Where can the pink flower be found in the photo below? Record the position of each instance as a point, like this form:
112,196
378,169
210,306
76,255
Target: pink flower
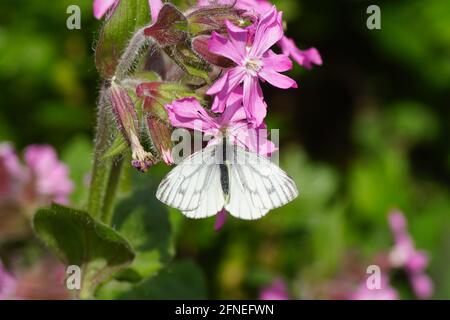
8,284
101,7
306,58
50,177
250,50
276,291
405,255
188,113
12,173
385,292
422,285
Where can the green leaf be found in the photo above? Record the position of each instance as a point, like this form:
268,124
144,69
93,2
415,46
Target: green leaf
77,239
181,281
128,17
144,221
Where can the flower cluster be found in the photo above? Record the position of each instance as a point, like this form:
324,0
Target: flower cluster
206,66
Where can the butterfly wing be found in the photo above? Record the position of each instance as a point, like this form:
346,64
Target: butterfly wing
194,185
256,185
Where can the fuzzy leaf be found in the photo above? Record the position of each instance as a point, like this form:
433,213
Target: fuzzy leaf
77,239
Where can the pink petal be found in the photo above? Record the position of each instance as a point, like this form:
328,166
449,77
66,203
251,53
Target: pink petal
277,79
254,105
12,174
397,222
417,262
223,47
268,32
233,78
234,112
306,58
155,7
51,177
422,286
277,62
221,218
102,6
188,113
253,139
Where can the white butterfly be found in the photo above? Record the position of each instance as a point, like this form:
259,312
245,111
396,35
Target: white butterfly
219,176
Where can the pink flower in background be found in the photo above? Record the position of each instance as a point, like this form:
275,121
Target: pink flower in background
41,180
385,292
277,290
188,113
306,58
101,7
12,173
254,61
50,177
405,255
8,284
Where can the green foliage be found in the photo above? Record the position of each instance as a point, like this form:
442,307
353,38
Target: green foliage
144,221
77,239
181,281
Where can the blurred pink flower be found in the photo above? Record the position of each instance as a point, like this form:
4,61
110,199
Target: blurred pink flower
385,292
277,290
250,50
43,178
405,255
8,284
50,177
188,113
12,173
101,7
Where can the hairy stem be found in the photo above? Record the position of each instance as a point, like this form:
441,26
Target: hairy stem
134,51
100,191
111,190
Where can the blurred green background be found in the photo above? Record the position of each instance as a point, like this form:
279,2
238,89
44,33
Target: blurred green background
366,132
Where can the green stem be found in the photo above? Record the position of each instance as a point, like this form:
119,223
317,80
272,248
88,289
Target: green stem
111,190
105,172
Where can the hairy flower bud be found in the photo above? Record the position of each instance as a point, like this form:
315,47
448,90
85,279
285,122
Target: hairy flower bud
212,18
200,46
160,134
170,28
127,119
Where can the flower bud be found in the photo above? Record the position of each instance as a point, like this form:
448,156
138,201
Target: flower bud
127,119
170,28
205,20
200,46
160,134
